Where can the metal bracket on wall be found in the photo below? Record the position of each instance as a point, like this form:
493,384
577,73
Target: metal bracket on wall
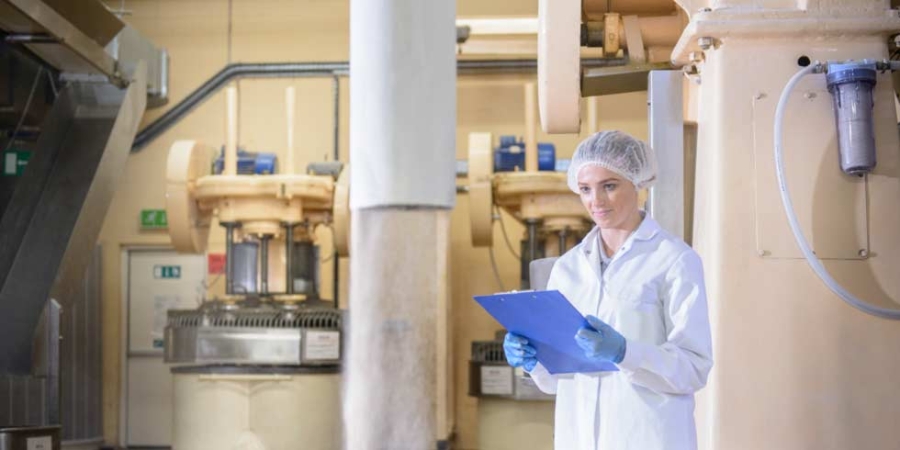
618,79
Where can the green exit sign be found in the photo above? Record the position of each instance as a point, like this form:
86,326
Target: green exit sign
167,272
154,219
14,162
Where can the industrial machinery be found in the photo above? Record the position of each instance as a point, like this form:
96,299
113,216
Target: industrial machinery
645,30
536,194
795,185
249,163
499,389
510,155
610,51
270,342
508,399
539,198
78,80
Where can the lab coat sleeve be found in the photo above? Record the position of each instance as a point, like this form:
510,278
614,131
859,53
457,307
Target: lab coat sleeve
544,380
681,364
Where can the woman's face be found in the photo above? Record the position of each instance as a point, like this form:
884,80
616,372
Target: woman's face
610,199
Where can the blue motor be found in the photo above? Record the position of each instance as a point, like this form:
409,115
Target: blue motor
249,163
510,155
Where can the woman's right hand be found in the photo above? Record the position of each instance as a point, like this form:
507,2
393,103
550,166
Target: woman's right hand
519,353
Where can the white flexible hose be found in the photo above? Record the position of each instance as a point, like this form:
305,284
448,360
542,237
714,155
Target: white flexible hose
811,258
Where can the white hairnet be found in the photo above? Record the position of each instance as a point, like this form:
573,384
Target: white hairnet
618,152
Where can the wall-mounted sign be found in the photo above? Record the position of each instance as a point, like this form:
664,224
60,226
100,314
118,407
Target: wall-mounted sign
167,272
154,219
14,162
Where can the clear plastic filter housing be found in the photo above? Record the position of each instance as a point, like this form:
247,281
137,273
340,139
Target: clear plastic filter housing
851,85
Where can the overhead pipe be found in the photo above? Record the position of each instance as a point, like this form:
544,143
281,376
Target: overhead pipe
336,142
317,70
597,8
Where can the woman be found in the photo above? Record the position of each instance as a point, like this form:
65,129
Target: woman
641,290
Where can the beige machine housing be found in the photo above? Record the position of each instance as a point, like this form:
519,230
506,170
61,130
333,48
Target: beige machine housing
790,358
278,347
540,199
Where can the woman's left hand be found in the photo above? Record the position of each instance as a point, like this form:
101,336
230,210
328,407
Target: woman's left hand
601,341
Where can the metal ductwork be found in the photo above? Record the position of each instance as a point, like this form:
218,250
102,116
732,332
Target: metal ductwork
54,216
79,134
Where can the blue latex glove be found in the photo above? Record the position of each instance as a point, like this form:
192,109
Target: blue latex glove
601,341
518,352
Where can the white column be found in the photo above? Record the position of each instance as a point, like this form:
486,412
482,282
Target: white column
402,103
402,186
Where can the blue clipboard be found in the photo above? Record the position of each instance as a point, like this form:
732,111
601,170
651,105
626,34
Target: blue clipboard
549,322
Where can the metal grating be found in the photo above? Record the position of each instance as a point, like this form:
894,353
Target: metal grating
25,400
255,318
33,399
488,352
81,359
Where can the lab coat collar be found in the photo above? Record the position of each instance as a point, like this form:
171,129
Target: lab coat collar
647,230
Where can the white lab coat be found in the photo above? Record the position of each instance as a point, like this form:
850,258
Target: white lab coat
653,293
